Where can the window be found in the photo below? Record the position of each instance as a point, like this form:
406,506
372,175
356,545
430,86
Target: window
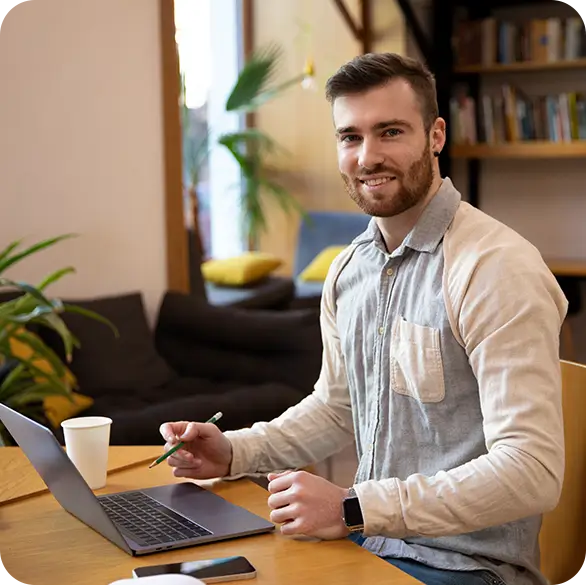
209,45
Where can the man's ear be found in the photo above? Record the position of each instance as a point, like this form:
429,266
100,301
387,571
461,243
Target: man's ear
438,136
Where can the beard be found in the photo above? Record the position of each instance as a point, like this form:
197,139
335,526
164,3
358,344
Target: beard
410,188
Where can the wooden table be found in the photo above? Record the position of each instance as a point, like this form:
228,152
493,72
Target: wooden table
41,544
20,480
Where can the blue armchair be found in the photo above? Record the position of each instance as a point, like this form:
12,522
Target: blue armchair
318,231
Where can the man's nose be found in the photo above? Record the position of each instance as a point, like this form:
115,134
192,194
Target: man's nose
370,154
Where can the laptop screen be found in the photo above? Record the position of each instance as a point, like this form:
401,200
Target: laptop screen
66,484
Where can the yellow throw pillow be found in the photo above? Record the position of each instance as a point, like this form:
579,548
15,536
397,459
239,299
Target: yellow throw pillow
59,408
56,407
240,270
23,351
319,266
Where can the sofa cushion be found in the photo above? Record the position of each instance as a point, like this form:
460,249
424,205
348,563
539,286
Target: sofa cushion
59,408
241,270
104,362
270,293
240,345
242,405
319,267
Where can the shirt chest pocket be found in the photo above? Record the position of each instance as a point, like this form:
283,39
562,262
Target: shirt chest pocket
416,362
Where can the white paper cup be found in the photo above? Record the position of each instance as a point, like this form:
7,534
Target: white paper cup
87,439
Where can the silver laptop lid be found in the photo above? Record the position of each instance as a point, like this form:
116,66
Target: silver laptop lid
42,449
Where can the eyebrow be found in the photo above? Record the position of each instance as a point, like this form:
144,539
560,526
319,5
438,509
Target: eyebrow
377,126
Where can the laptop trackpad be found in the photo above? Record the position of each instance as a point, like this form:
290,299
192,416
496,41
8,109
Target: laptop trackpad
208,509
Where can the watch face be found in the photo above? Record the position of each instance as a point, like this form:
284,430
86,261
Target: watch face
352,512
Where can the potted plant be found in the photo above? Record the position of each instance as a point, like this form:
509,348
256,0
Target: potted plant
251,148
28,377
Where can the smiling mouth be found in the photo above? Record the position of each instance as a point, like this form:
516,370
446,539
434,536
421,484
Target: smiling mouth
377,182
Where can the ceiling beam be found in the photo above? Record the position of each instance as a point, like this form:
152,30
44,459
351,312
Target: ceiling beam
416,28
363,32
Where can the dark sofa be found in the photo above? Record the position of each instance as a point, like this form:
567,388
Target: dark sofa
251,365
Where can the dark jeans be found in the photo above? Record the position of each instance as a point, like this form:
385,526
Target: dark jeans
432,576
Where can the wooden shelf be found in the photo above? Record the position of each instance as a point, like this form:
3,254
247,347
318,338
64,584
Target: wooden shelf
527,149
523,66
567,267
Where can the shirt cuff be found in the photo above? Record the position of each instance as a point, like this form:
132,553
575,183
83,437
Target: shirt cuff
381,508
242,462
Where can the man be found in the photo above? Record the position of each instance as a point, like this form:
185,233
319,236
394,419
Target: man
440,329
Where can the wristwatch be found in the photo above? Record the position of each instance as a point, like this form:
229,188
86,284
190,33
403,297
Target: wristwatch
352,512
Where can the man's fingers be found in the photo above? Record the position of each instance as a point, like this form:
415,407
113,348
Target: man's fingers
279,499
281,481
181,452
167,431
191,432
286,514
292,528
275,474
177,460
184,471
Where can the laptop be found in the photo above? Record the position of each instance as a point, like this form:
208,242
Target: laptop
140,521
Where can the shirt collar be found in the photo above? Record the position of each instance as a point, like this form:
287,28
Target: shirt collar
431,226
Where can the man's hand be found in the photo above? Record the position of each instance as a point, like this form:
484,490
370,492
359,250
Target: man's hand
306,504
207,453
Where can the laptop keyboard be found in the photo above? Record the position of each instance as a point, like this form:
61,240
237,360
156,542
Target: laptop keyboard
147,521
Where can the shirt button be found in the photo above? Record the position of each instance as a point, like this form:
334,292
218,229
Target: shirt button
390,272
381,330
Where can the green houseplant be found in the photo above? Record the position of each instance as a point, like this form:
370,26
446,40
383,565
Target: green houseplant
251,148
27,378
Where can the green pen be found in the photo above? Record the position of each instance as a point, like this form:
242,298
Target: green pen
170,452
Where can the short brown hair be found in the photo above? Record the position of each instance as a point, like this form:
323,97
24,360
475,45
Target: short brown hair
375,69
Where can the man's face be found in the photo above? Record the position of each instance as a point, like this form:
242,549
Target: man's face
384,153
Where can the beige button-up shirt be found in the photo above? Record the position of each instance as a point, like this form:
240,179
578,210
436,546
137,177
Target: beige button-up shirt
441,361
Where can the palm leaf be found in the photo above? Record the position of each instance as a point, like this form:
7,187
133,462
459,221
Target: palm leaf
269,94
58,325
34,393
27,288
57,275
41,350
59,385
282,197
257,72
249,139
248,148
92,315
8,250
11,378
9,260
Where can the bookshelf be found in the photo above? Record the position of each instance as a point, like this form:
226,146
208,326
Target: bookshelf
523,66
522,149
475,43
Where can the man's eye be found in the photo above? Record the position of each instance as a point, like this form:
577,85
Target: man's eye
393,132
350,138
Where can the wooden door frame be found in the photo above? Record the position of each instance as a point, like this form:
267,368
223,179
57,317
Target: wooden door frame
177,254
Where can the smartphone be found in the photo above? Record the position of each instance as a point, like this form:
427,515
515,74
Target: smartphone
208,571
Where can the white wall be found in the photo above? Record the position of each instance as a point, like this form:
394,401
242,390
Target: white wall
81,142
